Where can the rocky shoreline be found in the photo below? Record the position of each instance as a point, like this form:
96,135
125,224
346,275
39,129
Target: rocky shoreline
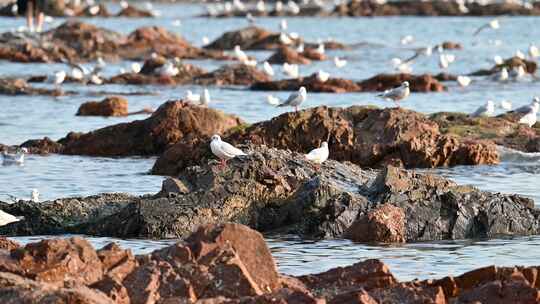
229,263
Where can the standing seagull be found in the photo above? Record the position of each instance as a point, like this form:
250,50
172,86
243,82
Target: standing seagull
223,150
14,159
205,98
295,99
534,105
397,94
319,155
486,110
6,218
529,118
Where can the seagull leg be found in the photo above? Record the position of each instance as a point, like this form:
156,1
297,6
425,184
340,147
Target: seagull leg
296,108
397,103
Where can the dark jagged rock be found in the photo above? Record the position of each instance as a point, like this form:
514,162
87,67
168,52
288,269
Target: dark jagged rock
504,130
110,106
75,41
42,146
365,136
276,190
255,38
418,83
237,74
311,83
432,8
510,63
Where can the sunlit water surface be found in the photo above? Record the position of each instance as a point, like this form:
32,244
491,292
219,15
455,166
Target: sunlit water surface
25,117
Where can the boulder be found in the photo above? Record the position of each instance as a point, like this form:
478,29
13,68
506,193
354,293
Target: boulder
9,86
384,224
134,12
110,106
366,136
287,55
150,74
311,83
42,146
171,122
237,74
274,190
7,244
418,83
504,130
510,64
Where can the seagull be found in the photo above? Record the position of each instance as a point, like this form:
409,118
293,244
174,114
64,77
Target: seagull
124,4
493,24
486,110
268,69
295,99
407,39
177,22
35,196
95,79
205,98
283,25
193,98
284,38
14,159
291,70
279,6
320,49
261,7
498,59
518,72
339,63
136,67
293,7
250,18
300,48
205,40
464,80
240,55
273,101
506,105
223,150
397,94
319,155
519,54
57,78
534,105
445,60
168,69
533,51
6,218
323,76
100,63
94,10
502,75
529,118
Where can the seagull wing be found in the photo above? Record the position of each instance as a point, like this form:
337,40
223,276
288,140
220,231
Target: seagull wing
229,150
480,29
290,100
480,111
315,154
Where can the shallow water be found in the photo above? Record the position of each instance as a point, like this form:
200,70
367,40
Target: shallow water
25,117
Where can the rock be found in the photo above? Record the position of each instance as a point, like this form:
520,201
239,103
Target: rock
171,122
7,244
89,11
134,12
173,186
504,130
311,83
422,8
510,63
42,146
420,83
450,45
238,74
249,246
365,136
287,55
21,87
385,224
311,53
110,106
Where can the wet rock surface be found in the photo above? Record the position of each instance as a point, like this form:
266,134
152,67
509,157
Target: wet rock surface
17,86
110,106
511,63
504,130
288,55
76,41
273,190
237,74
432,8
418,83
366,136
230,263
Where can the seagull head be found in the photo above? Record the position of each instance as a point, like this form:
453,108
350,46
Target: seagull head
536,99
24,150
405,84
324,144
490,104
302,90
216,137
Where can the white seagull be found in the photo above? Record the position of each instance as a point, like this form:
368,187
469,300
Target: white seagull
205,98
57,78
14,159
486,110
6,218
240,55
272,100
223,150
295,99
319,155
533,51
397,94
323,76
464,80
529,118
193,98
291,70
506,105
534,105
136,67
493,24
35,196
339,63
268,70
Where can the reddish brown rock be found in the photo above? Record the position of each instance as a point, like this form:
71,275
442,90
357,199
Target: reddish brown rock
90,11
450,45
42,146
288,55
311,53
510,64
311,83
117,263
134,12
172,121
7,244
110,106
21,87
385,224
420,83
249,246
238,74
